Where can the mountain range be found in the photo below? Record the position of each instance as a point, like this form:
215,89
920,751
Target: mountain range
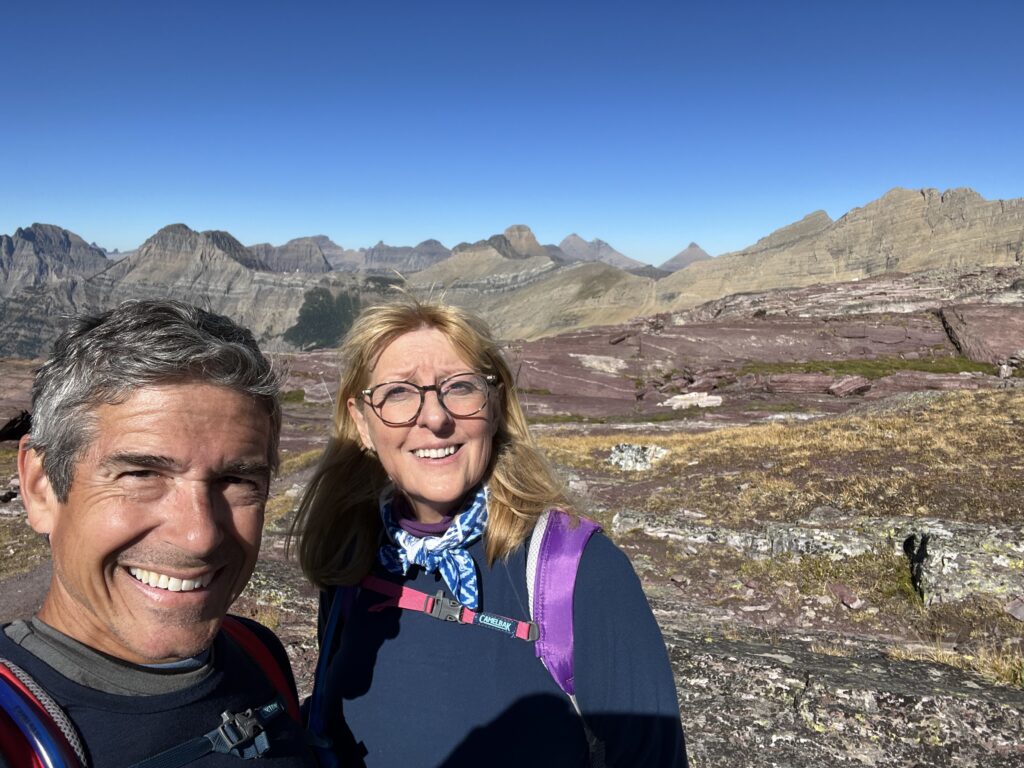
304,292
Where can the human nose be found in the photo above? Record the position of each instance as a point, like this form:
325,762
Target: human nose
433,415
194,518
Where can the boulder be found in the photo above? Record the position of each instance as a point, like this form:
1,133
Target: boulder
635,458
985,333
690,399
845,386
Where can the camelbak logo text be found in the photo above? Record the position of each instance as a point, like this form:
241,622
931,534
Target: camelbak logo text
493,621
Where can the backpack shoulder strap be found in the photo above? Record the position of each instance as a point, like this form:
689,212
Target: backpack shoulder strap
253,644
552,560
33,724
336,604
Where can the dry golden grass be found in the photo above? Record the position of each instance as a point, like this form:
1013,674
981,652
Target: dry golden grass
959,456
831,649
8,461
21,548
1003,666
881,577
297,462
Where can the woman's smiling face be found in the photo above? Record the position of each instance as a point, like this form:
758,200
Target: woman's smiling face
462,446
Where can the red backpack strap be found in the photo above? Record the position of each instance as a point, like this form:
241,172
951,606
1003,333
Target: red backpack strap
267,661
33,725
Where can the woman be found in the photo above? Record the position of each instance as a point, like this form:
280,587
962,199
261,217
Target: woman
432,485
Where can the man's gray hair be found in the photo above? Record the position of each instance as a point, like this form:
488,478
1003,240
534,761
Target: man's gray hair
104,358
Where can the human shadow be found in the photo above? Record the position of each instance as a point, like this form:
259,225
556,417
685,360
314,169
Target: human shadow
532,732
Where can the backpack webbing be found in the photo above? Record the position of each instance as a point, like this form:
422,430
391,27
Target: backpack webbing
265,659
556,546
32,723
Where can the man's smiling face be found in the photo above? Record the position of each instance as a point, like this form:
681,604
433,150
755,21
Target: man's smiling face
162,525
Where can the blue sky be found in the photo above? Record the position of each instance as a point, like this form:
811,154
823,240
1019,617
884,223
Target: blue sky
646,124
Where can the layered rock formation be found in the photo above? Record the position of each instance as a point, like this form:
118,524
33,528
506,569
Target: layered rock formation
300,255
209,269
525,289
343,259
383,258
904,231
43,255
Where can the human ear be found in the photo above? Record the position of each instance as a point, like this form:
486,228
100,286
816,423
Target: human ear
360,420
36,492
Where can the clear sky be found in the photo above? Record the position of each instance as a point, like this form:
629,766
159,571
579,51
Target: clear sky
645,124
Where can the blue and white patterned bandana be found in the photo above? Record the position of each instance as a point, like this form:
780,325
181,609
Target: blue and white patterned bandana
446,554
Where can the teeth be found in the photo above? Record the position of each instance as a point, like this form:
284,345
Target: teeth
170,583
434,453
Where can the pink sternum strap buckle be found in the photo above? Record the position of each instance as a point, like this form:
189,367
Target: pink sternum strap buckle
445,608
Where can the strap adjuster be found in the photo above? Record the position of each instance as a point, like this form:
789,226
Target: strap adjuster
239,729
443,608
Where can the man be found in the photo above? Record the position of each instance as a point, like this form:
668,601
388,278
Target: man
154,435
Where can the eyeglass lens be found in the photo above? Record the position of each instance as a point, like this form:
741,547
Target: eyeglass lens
399,402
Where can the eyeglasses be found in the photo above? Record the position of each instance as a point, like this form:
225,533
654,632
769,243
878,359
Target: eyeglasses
398,403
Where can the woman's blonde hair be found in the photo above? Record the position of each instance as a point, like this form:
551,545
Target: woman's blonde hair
338,523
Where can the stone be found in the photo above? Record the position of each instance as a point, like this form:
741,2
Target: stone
1016,608
845,595
985,333
635,458
691,399
845,386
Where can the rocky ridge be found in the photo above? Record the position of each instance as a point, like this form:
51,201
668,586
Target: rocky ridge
43,255
210,269
525,289
300,255
903,231
578,249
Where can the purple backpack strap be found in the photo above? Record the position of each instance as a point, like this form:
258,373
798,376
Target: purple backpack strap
552,562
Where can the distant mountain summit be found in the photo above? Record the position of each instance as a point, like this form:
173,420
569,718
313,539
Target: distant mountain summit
685,258
524,289
177,243
44,253
578,249
383,258
300,255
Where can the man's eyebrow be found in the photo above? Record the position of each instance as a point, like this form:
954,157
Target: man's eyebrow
261,468
147,460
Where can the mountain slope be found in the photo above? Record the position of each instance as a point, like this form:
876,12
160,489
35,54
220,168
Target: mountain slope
44,254
903,231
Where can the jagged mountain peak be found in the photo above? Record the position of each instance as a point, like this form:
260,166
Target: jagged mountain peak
523,242
181,242
690,254
43,254
578,249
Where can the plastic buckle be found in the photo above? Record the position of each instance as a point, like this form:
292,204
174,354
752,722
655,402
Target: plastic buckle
239,730
444,608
